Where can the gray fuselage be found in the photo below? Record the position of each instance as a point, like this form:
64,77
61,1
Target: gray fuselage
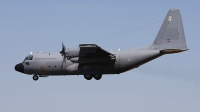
45,63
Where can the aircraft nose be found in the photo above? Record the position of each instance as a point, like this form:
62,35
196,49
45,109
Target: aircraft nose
19,67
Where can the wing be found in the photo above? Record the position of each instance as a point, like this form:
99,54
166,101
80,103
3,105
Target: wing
87,53
91,53
93,50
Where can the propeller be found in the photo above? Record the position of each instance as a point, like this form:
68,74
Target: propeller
63,49
63,54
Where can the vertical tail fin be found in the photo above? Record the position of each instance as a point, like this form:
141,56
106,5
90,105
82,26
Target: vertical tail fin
171,37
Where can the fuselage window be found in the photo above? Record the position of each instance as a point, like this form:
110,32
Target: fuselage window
27,63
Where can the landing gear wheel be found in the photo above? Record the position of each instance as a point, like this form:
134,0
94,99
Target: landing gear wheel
35,77
88,77
97,77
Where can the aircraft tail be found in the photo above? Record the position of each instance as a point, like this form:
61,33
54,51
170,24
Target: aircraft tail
171,37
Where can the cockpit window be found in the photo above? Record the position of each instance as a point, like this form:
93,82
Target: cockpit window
29,57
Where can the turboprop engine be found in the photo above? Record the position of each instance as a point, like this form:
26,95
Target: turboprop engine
69,53
72,53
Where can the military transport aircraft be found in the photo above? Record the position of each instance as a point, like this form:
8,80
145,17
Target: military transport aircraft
92,61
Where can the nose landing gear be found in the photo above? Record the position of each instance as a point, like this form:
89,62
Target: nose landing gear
35,77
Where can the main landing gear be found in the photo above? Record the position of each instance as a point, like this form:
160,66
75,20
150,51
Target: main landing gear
89,77
35,77
97,77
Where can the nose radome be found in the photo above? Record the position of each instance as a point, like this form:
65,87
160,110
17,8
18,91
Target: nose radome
19,67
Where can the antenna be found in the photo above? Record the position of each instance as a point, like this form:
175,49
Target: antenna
119,49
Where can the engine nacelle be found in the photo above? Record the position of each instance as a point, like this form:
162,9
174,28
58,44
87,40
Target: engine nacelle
72,53
90,60
73,68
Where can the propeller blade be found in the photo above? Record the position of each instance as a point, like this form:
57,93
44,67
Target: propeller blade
63,49
63,54
63,61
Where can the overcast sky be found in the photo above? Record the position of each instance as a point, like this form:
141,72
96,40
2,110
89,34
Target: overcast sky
168,84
